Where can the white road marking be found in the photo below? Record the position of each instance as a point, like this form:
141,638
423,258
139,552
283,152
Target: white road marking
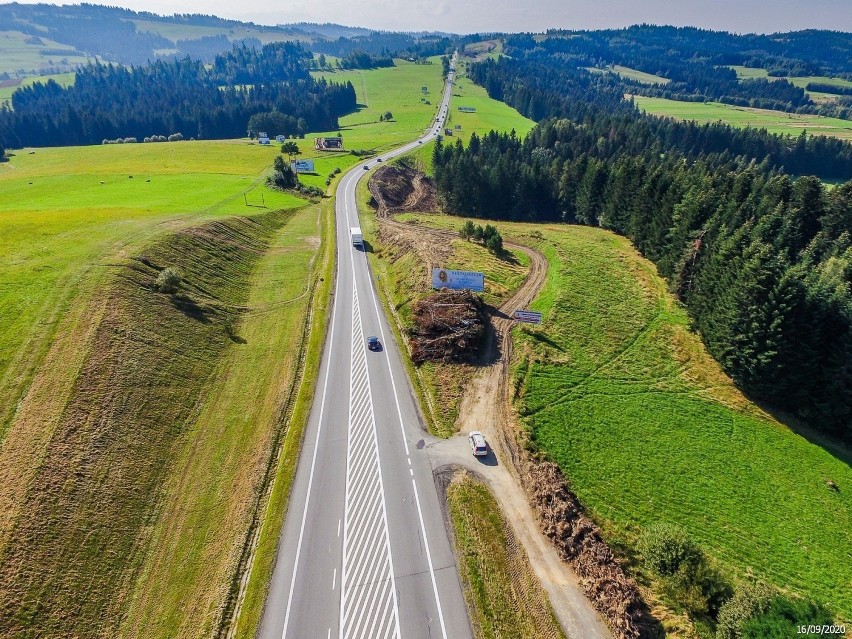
310,478
334,579
368,601
338,526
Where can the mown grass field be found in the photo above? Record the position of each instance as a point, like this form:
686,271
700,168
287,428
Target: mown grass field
773,121
502,592
615,388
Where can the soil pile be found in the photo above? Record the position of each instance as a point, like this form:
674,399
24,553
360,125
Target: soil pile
401,188
449,326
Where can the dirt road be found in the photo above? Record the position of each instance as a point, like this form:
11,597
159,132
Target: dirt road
485,407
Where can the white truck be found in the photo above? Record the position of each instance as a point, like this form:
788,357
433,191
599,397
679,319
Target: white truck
356,236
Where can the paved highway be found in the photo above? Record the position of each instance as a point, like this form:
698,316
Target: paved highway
364,552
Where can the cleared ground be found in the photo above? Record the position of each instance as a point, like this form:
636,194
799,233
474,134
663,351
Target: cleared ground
20,54
632,74
773,121
617,390
748,73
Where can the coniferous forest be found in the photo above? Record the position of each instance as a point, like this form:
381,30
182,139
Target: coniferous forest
179,96
762,259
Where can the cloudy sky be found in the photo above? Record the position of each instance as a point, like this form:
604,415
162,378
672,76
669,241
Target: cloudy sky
465,16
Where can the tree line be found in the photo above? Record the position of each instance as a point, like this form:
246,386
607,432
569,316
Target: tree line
762,260
107,101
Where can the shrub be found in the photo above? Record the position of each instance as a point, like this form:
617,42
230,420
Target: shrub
168,280
747,602
782,616
667,548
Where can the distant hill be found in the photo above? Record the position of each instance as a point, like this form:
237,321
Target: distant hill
329,29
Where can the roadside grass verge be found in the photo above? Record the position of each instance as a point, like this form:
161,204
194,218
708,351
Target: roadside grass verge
616,389
503,594
250,610
773,121
81,500
217,487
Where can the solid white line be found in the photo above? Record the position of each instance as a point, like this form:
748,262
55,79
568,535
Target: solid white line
311,477
338,526
334,579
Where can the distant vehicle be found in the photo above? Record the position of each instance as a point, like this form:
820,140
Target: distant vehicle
378,159
356,236
366,168
373,343
477,443
419,141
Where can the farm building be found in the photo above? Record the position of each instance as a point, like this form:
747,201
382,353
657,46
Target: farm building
263,140
328,144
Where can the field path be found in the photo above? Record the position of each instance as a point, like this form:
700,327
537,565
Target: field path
485,407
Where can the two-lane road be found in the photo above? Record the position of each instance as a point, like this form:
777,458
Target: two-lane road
364,552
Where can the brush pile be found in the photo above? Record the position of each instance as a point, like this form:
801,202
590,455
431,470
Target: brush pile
449,326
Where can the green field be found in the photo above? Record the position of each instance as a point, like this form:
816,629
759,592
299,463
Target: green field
58,223
18,56
490,114
176,31
502,593
617,390
750,73
631,74
773,121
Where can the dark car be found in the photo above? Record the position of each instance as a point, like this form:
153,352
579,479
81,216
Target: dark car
378,159
373,343
366,168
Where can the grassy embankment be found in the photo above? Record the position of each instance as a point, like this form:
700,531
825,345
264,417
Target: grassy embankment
82,335
503,594
773,121
616,389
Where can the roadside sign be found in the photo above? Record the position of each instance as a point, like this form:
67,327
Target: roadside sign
446,278
528,317
303,166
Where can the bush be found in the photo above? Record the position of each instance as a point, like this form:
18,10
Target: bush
782,616
168,281
747,602
667,548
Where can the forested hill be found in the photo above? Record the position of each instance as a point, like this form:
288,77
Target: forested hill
184,96
695,64
763,261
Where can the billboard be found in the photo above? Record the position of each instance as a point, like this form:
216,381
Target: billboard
303,166
446,278
528,317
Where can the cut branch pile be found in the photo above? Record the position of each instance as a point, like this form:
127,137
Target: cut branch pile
449,326
579,542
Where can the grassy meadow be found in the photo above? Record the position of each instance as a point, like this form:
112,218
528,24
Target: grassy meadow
66,214
19,56
773,121
750,73
503,594
618,391
632,74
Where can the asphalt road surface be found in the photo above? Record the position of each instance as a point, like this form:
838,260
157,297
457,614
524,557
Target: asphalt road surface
364,552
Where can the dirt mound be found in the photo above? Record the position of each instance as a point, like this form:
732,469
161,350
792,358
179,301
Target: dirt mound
401,188
580,543
449,326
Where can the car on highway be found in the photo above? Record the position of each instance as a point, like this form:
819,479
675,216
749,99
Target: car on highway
477,443
373,343
366,168
378,159
419,141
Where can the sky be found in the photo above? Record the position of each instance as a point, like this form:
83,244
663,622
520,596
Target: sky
468,16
